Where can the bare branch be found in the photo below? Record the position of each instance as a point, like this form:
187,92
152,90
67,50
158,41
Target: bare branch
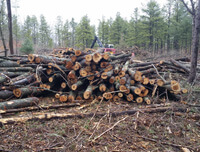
188,9
192,4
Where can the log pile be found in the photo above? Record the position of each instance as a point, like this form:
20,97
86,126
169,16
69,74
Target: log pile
73,75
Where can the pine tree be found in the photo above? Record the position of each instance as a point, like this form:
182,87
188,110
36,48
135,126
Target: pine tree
45,39
16,32
84,33
73,26
103,31
66,34
59,31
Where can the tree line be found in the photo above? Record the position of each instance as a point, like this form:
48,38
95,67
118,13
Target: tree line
151,28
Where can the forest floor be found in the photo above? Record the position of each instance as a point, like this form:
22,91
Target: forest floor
168,131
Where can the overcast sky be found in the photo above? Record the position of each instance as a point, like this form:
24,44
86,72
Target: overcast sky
95,9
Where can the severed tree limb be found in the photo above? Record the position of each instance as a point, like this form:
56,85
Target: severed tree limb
2,112
49,116
109,128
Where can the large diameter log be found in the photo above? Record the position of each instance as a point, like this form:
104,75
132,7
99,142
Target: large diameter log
16,69
4,78
136,75
20,103
13,74
24,92
5,94
8,63
176,63
77,85
97,57
113,57
26,81
106,75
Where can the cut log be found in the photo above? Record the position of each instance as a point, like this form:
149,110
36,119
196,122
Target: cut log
147,100
135,90
20,103
112,80
108,95
102,87
139,99
77,85
96,57
26,81
83,72
24,92
72,96
7,63
16,69
4,78
129,97
6,94
107,75
88,92
63,98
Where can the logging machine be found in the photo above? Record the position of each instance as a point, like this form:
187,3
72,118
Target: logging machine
108,47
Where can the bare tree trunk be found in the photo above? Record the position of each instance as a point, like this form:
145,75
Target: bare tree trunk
10,27
195,44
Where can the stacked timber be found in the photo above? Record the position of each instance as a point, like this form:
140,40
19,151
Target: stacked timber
73,75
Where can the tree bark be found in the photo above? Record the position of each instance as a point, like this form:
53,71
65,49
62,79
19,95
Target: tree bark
10,26
195,44
20,103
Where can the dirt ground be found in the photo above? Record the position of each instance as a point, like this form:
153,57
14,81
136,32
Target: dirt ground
164,131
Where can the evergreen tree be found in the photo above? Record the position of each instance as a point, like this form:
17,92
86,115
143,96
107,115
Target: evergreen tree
118,29
16,32
84,33
27,46
45,39
66,34
34,29
103,31
73,26
152,20
59,31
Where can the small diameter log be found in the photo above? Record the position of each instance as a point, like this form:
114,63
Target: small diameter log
77,66
88,92
97,57
145,80
63,98
113,57
152,81
139,99
112,80
178,64
111,88
120,94
136,75
147,100
129,97
184,91
122,80
71,96
108,95
135,90
68,64
88,58
102,87
83,72
71,75
106,75
80,53
24,92
160,82
77,85
5,94
116,98
20,103
124,88
63,85
117,69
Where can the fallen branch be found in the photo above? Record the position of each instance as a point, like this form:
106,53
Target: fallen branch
2,112
49,116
